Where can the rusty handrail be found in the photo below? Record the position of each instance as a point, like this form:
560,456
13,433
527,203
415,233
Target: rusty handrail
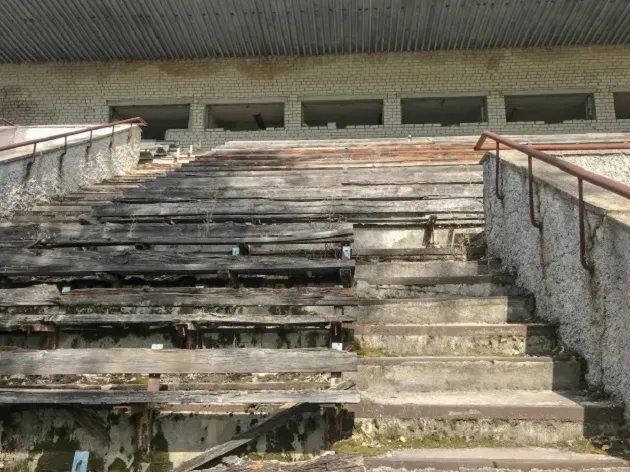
34,142
6,121
582,175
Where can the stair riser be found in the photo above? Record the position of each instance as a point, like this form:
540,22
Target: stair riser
481,289
458,345
534,432
467,376
410,238
443,312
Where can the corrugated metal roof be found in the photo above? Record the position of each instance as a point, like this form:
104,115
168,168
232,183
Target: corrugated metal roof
78,30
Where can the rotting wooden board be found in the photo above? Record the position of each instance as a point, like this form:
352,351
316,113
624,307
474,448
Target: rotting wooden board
350,192
275,165
61,262
262,317
118,397
45,294
257,208
285,412
210,297
68,234
174,361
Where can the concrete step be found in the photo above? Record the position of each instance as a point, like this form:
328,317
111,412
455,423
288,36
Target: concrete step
425,374
411,237
427,273
527,417
513,458
454,339
442,310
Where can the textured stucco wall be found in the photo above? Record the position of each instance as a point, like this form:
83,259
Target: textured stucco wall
26,180
614,165
78,92
590,309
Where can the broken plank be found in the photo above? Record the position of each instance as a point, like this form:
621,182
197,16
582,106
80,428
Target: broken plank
253,317
121,397
255,208
352,192
210,297
109,234
60,262
174,361
32,296
284,413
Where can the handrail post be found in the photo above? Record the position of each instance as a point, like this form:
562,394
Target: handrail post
582,219
530,175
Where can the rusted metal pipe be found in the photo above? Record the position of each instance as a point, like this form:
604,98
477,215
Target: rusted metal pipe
497,175
137,121
576,171
566,147
582,175
4,120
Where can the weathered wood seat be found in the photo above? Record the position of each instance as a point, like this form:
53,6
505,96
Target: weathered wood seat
218,238
169,361
23,308
73,263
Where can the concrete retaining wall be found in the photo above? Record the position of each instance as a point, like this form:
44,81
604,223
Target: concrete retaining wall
590,308
26,180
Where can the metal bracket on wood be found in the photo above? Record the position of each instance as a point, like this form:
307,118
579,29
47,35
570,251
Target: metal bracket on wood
530,178
190,331
336,343
51,333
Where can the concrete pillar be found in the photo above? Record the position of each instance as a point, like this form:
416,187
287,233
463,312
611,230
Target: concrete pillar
197,117
391,112
292,113
605,110
496,111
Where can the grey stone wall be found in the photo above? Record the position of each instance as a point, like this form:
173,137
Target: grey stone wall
26,180
591,309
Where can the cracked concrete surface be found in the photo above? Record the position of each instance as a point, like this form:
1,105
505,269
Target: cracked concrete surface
590,308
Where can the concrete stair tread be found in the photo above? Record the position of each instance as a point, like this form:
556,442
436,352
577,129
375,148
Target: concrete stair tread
394,360
451,328
520,458
505,398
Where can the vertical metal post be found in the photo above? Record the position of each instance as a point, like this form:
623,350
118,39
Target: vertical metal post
497,175
530,178
582,218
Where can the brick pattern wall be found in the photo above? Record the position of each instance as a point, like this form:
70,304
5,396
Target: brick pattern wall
78,92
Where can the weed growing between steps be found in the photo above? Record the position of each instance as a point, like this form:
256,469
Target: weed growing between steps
359,444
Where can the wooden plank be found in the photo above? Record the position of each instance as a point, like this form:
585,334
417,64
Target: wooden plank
284,413
174,361
351,192
109,234
60,262
31,296
209,297
253,317
120,397
255,208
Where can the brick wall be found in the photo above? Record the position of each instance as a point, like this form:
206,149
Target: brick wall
78,92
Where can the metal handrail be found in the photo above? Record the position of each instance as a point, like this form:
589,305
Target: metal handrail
582,175
34,142
6,121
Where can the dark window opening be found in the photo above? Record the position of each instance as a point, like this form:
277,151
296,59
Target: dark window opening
550,108
443,110
343,113
245,117
622,105
159,118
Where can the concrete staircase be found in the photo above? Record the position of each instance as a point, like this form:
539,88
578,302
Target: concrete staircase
456,370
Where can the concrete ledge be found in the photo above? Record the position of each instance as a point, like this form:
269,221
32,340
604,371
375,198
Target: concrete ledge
507,458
